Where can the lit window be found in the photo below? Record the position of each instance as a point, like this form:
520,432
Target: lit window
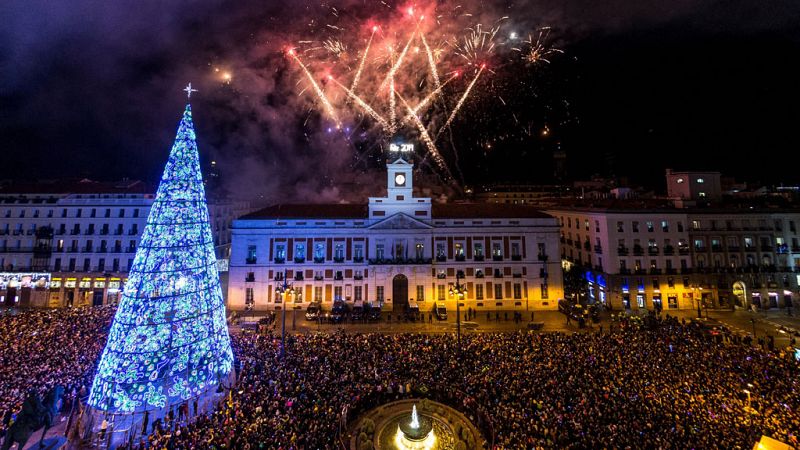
702,194
679,180
700,180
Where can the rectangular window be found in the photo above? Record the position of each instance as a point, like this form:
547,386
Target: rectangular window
459,247
620,227
440,292
497,250
317,293
358,252
478,291
122,213
338,252
664,226
635,226
515,250
337,292
543,289
420,293
280,252
319,252
498,291
93,213
57,265
86,264
419,250
251,254
379,293
479,250
379,251
596,226
136,212
357,290
107,213
650,227
440,252
248,297
299,252
517,291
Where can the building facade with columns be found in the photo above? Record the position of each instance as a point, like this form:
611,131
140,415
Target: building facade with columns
394,250
71,243
684,258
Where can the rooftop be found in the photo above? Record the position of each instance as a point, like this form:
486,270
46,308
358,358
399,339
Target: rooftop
359,211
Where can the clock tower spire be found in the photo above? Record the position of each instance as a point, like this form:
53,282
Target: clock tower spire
400,187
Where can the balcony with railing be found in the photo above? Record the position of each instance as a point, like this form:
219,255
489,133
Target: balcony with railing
652,250
399,261
251,260
299,259
516,257
279,260
598,249
622,251
541,257
638,250
250,278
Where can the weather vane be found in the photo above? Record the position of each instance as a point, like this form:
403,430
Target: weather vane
188,89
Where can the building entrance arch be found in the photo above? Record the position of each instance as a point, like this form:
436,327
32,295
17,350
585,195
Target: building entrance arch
399,293
740,292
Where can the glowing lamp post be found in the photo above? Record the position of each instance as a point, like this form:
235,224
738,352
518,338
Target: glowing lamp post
459,291
285,290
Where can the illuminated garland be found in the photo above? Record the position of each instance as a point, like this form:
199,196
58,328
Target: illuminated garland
169,340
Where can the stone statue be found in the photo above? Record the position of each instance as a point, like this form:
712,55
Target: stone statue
33,415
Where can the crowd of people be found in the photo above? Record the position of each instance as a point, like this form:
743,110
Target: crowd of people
655,384
42,348
662,384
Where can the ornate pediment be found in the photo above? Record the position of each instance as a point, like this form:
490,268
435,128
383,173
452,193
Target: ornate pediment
400,221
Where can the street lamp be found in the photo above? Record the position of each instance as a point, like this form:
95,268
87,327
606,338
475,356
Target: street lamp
285,290
459,291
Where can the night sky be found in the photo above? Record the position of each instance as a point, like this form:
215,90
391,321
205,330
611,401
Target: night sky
93,89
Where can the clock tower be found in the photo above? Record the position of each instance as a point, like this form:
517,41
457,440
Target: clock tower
400,188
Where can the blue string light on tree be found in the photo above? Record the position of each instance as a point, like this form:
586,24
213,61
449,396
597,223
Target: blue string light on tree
169,340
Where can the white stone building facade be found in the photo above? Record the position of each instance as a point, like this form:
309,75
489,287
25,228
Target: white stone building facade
396,249
71,244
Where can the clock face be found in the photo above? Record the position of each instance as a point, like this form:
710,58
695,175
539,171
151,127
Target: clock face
399,179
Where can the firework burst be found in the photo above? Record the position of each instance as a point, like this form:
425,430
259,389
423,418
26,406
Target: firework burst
537,51
413,64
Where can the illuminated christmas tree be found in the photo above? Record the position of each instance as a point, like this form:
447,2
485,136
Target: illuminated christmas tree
169,340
